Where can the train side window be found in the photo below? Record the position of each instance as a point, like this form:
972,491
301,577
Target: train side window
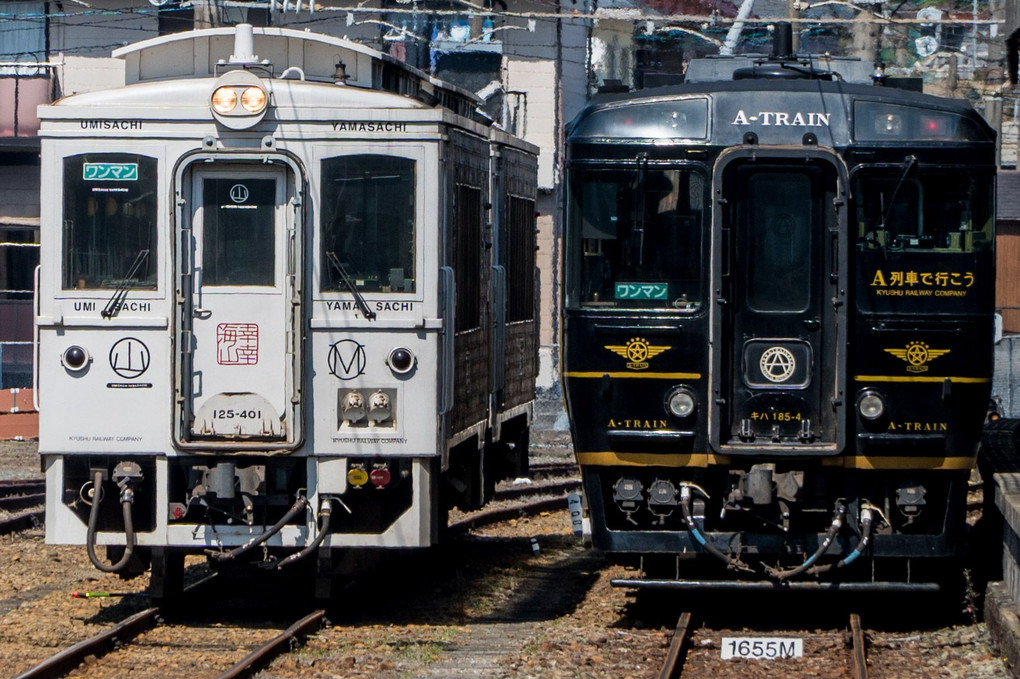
109,221
520,259
467,249
933,211
368,207
639,236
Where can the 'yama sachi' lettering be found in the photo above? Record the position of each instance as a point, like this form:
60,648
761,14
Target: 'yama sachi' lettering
783,119
379,126
111,124
379,306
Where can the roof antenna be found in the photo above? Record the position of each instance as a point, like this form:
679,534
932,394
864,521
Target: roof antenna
244,45
782,40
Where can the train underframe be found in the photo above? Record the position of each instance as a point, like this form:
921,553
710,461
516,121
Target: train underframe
780,523
336,515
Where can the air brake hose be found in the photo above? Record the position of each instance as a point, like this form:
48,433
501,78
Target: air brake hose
127,498
325,512
692,528
830,535
867,522
299,506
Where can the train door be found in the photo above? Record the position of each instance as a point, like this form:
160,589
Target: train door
780,327
239,326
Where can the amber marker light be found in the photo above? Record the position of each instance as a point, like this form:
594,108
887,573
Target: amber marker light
357,476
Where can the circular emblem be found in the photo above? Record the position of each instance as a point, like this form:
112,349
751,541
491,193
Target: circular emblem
637,350
239,193
917,353
777,364
129,358
347,359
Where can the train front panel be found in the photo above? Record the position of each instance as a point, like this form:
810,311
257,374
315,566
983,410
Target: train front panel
246,313
758,288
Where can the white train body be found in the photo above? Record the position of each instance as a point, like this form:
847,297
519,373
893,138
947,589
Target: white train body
329,297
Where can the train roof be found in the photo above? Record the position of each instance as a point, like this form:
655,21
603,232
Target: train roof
317,57
721,111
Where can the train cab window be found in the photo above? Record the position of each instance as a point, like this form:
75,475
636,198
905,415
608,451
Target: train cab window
639,238
368,208
110,214
238,234
908,209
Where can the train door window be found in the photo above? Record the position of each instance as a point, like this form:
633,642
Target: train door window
239,228
110,215
368,208
783,205
910,209
520,259
640,243
467,253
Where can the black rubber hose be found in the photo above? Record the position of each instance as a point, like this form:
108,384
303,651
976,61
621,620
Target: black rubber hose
685,507
325,514
127,498
867,521
830,535
299,506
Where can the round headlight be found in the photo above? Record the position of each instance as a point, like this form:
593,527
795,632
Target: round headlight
75,358
253,99
224,99
400,360
871,405
680,402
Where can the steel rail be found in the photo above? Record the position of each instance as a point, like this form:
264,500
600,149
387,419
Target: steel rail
99,645
488,517
255,661
515,492
9,486
553,468
13,503
674,662
860,661
22,522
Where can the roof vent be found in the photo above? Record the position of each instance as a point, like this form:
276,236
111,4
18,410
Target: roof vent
244,45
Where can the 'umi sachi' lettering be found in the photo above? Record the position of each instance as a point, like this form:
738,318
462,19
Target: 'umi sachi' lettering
111,124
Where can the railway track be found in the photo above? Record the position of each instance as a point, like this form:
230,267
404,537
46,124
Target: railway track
125,647
527,499
21,504
844,648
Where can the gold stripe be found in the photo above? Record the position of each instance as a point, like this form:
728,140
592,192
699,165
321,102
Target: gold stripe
907,378
614,459
876,462
623,375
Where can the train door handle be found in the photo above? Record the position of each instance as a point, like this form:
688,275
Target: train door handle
199,312
812,323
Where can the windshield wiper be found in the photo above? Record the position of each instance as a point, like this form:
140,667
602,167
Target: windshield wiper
113,306
909,163
362,304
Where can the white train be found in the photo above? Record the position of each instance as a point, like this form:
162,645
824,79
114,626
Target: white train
286,306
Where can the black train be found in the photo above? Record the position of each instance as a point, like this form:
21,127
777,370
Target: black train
778,323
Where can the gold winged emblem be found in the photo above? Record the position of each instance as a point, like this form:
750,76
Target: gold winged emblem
637,351
917,355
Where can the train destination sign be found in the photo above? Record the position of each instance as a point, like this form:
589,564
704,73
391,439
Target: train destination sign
110,172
